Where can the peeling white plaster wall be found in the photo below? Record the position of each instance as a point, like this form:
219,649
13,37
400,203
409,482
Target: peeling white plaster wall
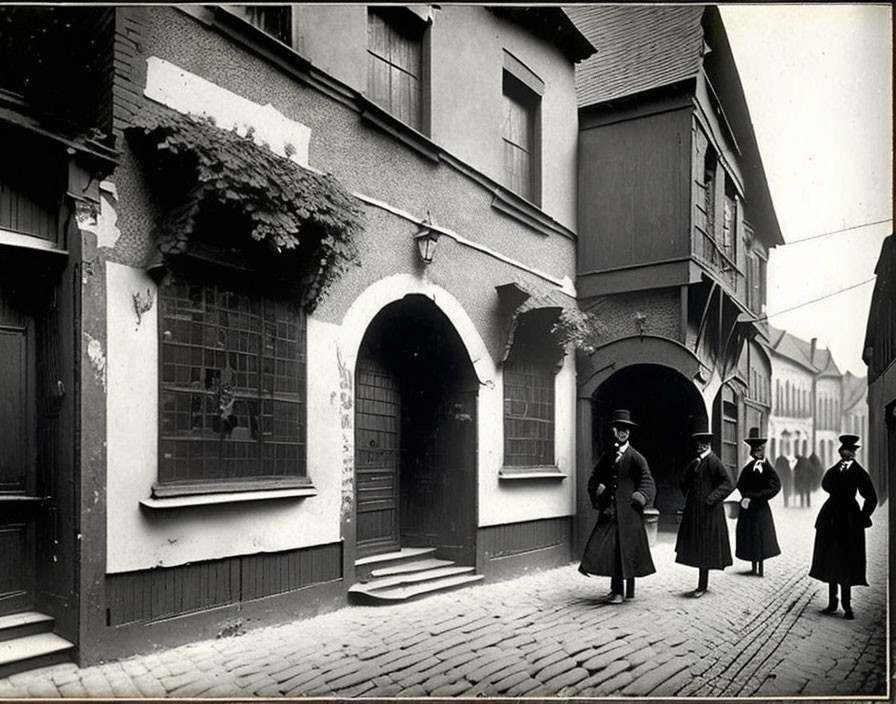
140,538
188,93
107,232
97,359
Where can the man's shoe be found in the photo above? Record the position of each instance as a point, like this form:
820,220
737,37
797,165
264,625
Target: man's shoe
848,614
615,599
698,592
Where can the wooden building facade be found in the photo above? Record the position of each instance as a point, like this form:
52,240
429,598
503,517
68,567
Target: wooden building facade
675,227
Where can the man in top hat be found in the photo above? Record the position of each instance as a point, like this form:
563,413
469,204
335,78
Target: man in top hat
702,540
758,483
620,486
839,553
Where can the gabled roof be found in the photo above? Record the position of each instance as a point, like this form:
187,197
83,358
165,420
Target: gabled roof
796,349
855,390
639,48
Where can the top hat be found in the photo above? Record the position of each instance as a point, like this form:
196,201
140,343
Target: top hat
621,417
700,428
848,440
753,439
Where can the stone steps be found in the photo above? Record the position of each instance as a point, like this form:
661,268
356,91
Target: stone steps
407,574
27,642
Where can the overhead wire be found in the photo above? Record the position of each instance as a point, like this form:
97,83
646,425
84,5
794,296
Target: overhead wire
815,300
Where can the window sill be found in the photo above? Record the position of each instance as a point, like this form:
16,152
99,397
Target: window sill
526,212
227,497
524,473
391,125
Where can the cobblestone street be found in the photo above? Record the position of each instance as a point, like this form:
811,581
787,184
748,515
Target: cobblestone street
546,634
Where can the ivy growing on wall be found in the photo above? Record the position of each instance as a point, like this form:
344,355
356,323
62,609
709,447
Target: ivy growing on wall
283,207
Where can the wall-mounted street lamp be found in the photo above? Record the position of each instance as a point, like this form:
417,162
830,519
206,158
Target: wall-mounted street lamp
426,239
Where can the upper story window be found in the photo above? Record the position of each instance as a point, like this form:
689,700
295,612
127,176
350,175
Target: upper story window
395,63
232,391
520,128
275,20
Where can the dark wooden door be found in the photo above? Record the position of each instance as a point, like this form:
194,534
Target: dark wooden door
18,504
438,481
377,421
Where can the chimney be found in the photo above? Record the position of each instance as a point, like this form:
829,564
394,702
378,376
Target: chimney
814,344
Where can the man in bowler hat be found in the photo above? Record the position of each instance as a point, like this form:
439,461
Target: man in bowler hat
758,483
702,540
839,553
620,486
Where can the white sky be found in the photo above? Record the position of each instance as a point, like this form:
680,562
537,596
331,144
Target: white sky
818,82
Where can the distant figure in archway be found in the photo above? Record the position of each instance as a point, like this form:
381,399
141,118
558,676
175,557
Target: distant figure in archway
758,483
803,480
702,540
620,487
839,553
785,474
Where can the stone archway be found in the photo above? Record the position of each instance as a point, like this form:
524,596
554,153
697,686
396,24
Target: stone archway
415,434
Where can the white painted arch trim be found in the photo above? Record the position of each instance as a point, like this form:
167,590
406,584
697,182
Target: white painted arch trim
393,288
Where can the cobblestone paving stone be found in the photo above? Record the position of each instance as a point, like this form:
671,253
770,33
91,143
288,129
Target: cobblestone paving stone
544,634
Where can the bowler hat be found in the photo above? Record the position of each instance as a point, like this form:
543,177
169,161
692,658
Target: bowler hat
621,417
753,439
700,428
848,440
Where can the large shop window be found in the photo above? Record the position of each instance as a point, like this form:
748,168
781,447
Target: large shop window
232,397
395,63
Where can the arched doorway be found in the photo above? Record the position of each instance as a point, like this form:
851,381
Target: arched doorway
415,434
661,400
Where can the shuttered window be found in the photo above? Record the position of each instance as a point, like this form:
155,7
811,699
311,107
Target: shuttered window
518,132
232,404
395,63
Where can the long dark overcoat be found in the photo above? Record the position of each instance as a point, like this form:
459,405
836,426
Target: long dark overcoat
703,534
756,536
839,554
620,523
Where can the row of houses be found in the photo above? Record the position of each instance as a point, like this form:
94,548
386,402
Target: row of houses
813,402
291,292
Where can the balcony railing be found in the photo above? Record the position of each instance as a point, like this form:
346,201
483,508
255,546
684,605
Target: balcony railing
708,251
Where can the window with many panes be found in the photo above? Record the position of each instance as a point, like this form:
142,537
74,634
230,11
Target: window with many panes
520,138
232,393
529,373
528,414
395,63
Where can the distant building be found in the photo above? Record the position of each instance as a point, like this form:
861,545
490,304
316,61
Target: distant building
813,402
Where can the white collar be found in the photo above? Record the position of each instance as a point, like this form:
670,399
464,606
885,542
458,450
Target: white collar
702,455
759,463
622,448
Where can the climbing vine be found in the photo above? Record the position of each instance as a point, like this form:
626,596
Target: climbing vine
286,206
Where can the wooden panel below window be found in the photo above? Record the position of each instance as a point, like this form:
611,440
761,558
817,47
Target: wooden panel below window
516,538
153,594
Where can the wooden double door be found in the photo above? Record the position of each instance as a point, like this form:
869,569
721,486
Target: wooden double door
37,559
415,464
